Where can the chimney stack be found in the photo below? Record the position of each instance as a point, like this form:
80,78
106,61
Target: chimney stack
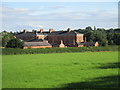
61,41
41,30
50,30
85,40
69,29
25,31
34,31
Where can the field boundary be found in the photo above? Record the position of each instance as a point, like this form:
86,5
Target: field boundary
13,51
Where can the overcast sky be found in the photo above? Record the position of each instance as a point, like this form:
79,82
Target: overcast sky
17,16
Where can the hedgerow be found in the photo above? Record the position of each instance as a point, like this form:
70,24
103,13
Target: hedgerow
13,51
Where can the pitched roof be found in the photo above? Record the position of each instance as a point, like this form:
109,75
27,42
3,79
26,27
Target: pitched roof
86,43
26,36
63,32
37,44
47,32
36,40
26,33
43,33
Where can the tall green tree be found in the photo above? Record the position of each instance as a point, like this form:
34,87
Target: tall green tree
15,43
95,28
116,38
88,28
89,36
110,37
6,36
101,37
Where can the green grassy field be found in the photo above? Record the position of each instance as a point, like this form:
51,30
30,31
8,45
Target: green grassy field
64,70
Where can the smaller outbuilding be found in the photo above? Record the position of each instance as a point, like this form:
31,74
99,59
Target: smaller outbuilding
37,45
82,44
61,44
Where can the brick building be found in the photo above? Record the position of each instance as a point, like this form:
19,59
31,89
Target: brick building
51,38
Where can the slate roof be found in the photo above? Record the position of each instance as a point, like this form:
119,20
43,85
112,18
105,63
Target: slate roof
86,43
48,33
26,33
25,36
63,32
43,33
36,40
37,44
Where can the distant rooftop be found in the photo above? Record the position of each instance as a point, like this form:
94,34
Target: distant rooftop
37,44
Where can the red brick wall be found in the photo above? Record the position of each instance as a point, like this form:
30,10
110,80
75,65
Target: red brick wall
67,39
37,47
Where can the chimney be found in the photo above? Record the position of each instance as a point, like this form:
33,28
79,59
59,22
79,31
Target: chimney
25,31
41,30
34,31
50,30
61,41
85,39
14,36
69,29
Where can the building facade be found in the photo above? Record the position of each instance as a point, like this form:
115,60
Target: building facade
68,38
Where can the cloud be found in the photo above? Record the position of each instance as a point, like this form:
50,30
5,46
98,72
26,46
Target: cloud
58,7
28,26
20,18
21,9
19,14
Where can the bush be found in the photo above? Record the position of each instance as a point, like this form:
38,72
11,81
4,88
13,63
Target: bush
12,51
15,43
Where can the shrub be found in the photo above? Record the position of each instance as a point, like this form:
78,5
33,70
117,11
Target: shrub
15,43
12,51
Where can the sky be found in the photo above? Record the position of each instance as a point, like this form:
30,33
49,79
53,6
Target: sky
17,16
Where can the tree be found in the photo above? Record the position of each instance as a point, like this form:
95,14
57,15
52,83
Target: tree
104,42
89,36
88,28
6,36
117,30
15,43
100,29
116,38
95,28
110,38
101,37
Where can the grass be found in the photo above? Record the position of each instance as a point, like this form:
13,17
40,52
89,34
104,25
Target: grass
64,70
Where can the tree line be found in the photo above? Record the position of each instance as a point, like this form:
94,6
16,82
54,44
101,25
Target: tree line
102,36
9,41
14,51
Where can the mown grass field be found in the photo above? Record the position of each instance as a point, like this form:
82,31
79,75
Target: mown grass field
61,70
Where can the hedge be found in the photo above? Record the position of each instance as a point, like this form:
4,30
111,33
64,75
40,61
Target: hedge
13,51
